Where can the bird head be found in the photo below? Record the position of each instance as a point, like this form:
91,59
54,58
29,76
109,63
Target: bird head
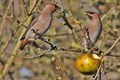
52,7
92,14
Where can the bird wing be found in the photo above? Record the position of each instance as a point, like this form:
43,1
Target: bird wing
32,23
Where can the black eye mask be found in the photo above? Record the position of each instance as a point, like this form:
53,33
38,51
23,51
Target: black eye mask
57,7
91,12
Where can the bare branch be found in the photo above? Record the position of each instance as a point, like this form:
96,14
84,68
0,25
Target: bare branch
111,47
68,24
1,29
59,68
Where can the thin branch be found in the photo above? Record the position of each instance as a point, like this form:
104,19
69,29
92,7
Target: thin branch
113,55
62,34
83,32
1,29
25,6
44,52
59,69
33,57
102,41
13,12
100,51
106,54
104,68
11,58
14,32
70,50
68,24
54,47
111,47
99,69
34,6
62,7
51,45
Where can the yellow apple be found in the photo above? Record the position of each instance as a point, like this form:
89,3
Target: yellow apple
88,63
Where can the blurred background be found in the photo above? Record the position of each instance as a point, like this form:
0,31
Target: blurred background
43,68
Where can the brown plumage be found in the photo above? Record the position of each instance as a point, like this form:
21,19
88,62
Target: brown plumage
94,27
40,24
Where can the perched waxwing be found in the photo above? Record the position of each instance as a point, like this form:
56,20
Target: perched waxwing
40,24
94,27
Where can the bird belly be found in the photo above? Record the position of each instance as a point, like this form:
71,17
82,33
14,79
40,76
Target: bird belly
94,36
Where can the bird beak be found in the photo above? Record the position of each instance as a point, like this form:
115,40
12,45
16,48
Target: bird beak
88,13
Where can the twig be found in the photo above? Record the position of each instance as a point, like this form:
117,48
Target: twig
102,44
62,34
11,58
59,68
1,29
68,24
71,50
113,55
99,69
111,47
104,68
13,12
10,74
77,21
33,57
102,41
15,31
31,11
62,7
106,54
41,54
51,45
25,6
83,32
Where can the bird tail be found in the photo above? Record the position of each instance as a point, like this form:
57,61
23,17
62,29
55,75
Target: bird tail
26,40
